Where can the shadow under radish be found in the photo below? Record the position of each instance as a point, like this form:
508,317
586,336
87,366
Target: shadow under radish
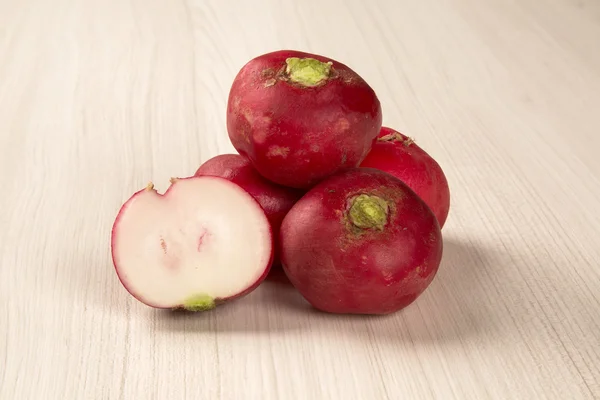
257,312
451,309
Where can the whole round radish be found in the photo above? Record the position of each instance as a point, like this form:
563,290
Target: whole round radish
276,200
361,242
400,156
300,117
201,243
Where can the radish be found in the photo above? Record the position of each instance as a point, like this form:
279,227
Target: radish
201,243
398,155
361,242
300,117
275,200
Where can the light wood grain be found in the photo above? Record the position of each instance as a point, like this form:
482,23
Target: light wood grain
99,97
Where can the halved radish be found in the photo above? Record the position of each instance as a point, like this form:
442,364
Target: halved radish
203,242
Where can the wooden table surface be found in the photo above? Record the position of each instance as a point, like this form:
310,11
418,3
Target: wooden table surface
98,97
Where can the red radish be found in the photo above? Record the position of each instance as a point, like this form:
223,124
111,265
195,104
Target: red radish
275,200
398,155
361,242
300,117
201,243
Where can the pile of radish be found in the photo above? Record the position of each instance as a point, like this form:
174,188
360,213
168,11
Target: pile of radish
349,211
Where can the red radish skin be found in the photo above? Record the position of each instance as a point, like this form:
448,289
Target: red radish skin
361,242
300,117
398,155
276,200
205,241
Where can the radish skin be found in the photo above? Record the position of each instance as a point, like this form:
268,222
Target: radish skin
300,117
361,242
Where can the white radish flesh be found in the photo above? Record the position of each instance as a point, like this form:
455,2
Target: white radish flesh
204,241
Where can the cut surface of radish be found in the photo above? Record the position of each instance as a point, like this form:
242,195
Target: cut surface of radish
204,241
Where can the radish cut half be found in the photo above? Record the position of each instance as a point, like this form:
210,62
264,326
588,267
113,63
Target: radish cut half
202,242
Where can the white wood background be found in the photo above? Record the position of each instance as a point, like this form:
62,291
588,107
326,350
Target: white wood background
98,97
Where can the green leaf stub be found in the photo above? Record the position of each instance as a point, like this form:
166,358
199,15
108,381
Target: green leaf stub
307,71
